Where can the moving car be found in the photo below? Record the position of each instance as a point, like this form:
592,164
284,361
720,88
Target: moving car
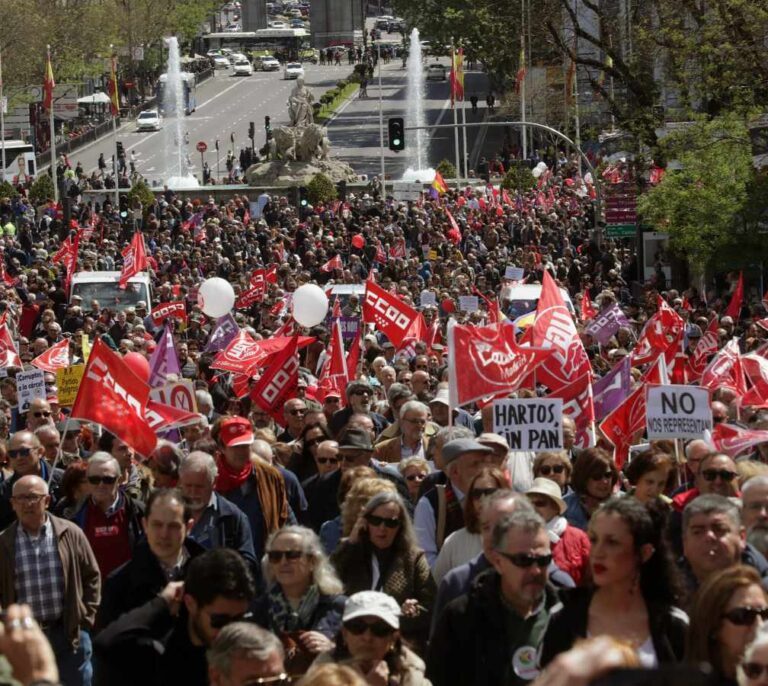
436,72
293,70
242,68
148,121
220,62
269,63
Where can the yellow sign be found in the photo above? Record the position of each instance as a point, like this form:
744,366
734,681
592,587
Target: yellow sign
68,381
432,255
86,347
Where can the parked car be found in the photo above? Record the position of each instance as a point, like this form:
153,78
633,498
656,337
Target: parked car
436,72
237,57
297,23
278,25
242,68
268,63
148,120
220,62
293,70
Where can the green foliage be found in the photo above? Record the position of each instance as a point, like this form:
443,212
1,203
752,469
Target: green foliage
7,190
140,195
341,85
518,178
321,189
446,169
41,189
702,203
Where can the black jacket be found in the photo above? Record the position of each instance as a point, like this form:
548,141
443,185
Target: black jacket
568,624
137,582
470,645
326,618
150,647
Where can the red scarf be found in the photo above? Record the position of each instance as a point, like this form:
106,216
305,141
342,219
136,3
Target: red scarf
229,480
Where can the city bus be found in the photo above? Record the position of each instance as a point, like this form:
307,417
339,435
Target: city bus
285,44
189,82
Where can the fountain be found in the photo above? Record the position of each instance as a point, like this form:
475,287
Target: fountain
418,147
175,155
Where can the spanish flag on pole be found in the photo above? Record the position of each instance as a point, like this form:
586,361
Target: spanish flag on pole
114,99
457,76
48,83
439,184
520,76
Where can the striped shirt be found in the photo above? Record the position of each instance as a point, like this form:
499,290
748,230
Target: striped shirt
39,573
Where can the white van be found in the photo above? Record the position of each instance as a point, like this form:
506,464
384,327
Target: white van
103,286
522,299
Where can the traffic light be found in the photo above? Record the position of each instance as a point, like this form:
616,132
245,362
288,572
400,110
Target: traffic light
303,197
251,130
120,149
396,128
267,125
341,190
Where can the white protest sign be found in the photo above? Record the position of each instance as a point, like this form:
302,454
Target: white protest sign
469,303
530,423
514,273
178,394
428,299
29,385
677,412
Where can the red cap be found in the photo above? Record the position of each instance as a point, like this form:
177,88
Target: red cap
236,431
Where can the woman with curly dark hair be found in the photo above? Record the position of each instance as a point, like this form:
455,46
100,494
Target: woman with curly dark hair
633,593
302,462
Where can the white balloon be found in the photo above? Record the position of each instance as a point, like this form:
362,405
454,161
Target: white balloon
310,305
542,166
537,172
216,297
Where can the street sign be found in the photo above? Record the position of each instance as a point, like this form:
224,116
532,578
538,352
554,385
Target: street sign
620,230
202,146
404,190
621,203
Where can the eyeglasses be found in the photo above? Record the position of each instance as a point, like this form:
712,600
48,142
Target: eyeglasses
754,670
357,627
297,413
389,522
420,422
41,414
546,470
724,474
96,480
526,560
278,555
19,452
327,460
361,392
29,499
540,502
605,476
477,493
219,621
416,477
746,616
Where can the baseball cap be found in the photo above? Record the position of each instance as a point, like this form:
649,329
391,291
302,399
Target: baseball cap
493,440
236,431
454,449
372,604
355,439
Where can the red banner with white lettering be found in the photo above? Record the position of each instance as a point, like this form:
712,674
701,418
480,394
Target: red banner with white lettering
162,417
333,376
9,356
163,311
725,370
134,259
278,382
390,314
734,440
56,357
334,263
113,396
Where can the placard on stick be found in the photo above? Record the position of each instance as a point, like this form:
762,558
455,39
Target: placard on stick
677,412
29,386
530,423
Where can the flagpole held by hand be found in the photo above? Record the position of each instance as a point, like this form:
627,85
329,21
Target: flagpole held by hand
59,451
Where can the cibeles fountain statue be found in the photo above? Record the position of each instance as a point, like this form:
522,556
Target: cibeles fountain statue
300,150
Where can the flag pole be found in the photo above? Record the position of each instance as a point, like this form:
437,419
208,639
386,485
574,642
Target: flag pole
522,91
464,119
381,126
55,176
2,116
113,96
455,114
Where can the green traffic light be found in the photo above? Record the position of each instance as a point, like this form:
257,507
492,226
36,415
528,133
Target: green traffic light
396,142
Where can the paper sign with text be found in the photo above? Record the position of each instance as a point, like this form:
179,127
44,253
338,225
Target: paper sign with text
469,303
530,423
178,394
428,299
30,385
677,412
68,382
514,273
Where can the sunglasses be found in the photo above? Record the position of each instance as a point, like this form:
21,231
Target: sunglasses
476,493
41,414
546,470
389,522
746,616
754,670
357,627
368,393
219,621
526,560
297,413
724,474
540,502
327,460
605,476
96,480
278,555
416,477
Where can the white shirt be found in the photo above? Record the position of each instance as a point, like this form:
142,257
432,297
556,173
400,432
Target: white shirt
426,526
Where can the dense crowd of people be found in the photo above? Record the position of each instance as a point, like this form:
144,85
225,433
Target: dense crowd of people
369,532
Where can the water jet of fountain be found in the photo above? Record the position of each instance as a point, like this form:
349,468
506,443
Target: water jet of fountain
418,143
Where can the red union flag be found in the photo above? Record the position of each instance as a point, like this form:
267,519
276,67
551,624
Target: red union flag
486,361
734,440
9,357
725,370
134,259
706,346
112,395
333,263
258,279
578,405
278,381
244,355
390,314
756,370
333,376
662,333
56,357
255,294
163,311
162,417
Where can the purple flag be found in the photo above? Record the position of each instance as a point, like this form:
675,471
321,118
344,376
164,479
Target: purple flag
164,360
225,330
612,389
606,324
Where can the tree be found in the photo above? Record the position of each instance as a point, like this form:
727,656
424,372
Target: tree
41,189
320,189
701,203
446,169
140,195
519,178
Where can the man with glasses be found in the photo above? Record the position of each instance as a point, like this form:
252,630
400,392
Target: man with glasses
294,411
359,401
244,653
39,414
164,640
47,563
69,433
412,441
503,616
25,455
110,519
695,451
50,440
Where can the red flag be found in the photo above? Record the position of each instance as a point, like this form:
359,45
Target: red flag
492,306
255,294
734,306
587,309
245,355
56,357
390,314
398,249
334,375
578,404
353,357
9,356
336,308
278,381
416,332
434,336
48,83
661,334
258,278
134,259
112,395
381,256
454,234
162,417
486,360
734,440
333,263
756,370
6,278
505,197
176,310
706,346
271,274
725,370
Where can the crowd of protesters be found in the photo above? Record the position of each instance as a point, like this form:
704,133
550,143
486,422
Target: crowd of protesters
364,535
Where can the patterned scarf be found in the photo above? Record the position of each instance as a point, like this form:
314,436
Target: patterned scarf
284,618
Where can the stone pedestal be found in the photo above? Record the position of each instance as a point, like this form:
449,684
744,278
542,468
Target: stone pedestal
253,14
336,22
